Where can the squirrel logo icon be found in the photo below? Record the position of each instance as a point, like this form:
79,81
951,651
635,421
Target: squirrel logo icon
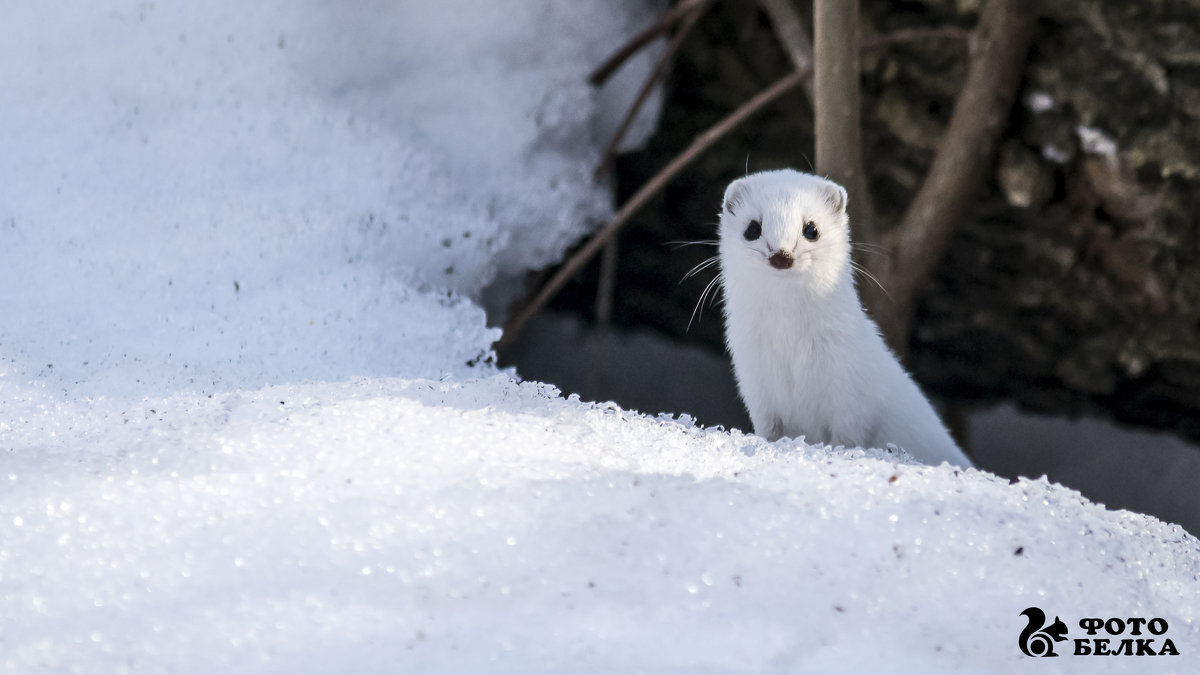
1038,639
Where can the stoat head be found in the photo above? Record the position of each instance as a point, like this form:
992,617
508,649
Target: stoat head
787,225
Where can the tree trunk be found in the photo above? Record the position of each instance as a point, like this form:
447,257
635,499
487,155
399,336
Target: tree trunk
838,108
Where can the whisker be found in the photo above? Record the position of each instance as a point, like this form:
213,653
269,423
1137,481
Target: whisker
867,244
863,271
705,264
876,249
717,299
712,291
676,245
698,310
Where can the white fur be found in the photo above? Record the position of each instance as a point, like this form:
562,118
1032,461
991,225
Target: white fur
808,361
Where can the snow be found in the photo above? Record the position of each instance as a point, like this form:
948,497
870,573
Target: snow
1039,102
486,525
1096,142
1055,154
248,421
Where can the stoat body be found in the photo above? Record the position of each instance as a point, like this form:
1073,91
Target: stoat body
808,361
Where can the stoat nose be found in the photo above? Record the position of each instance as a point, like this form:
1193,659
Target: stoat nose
781,260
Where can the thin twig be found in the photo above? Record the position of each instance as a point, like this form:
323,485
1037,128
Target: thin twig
792,35
607,287
655,75
916,35
643,38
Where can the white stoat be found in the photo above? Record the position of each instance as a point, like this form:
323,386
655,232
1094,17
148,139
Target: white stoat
808,361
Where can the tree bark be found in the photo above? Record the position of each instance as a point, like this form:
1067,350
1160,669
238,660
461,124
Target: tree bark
838,113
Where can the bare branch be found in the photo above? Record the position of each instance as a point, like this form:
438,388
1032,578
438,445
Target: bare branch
651,188
999,48
916,35
619,57
793,37
655,75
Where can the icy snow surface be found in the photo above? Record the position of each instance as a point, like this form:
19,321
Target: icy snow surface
241,249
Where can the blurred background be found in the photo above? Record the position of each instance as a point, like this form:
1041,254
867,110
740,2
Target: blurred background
1060,330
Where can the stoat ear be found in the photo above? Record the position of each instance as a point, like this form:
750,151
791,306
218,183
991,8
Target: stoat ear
836,197
734,195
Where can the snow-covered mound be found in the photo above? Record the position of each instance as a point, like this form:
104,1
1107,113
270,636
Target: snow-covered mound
484,526
248,423
188,184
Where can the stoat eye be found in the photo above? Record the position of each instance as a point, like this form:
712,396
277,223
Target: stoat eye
753,231
810,231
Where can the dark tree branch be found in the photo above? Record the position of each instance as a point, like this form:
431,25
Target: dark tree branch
667,21
999,48
793,37
660,68
689,11
916,35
